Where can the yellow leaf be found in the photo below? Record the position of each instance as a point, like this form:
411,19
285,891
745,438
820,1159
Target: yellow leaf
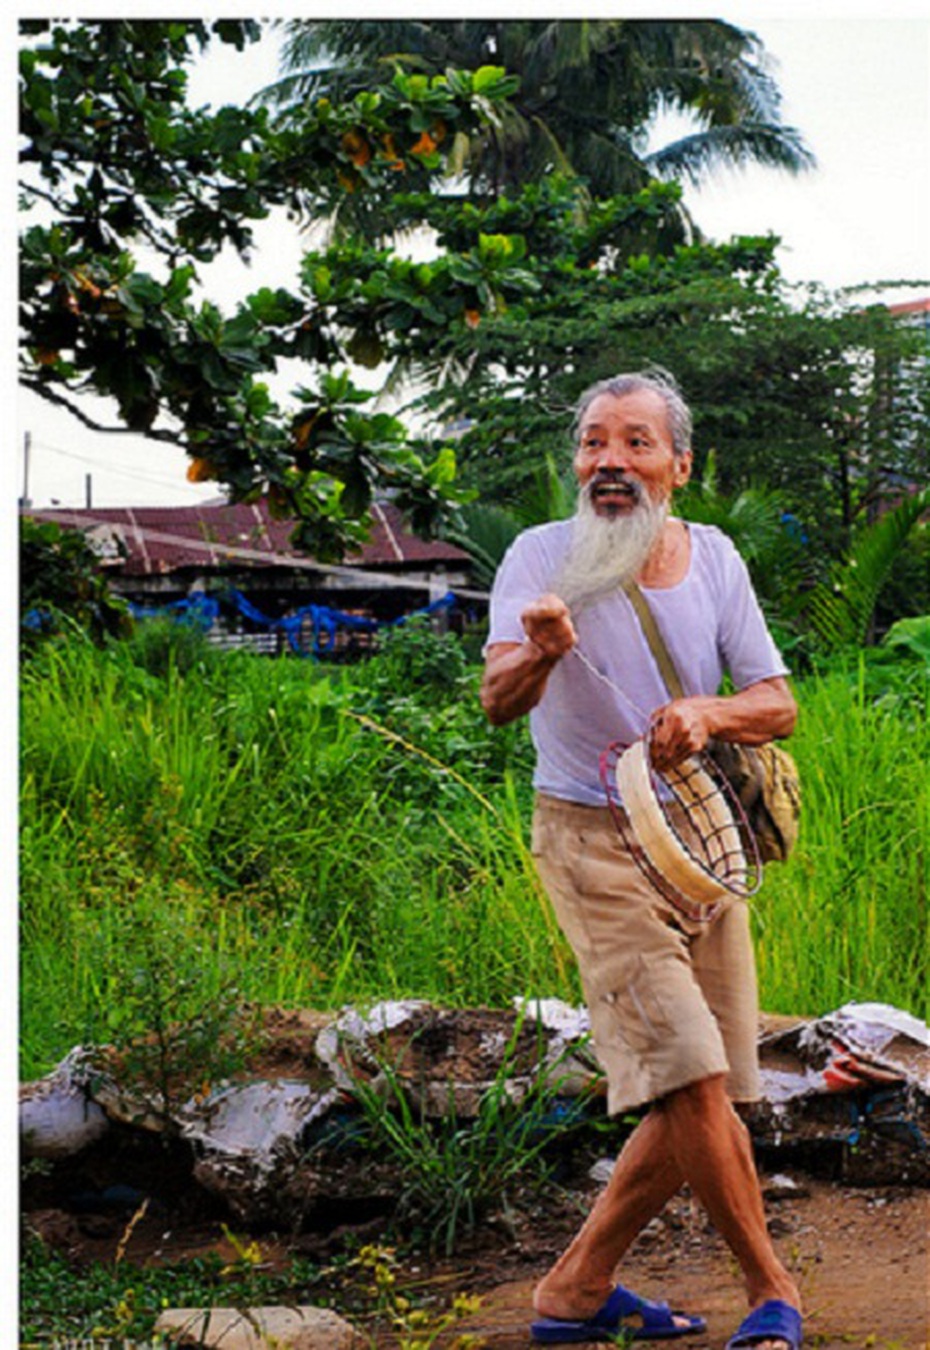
424,146
356,147
200,471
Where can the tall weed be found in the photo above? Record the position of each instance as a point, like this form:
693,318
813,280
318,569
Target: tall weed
846,918
323,837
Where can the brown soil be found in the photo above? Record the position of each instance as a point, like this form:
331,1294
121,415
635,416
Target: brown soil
859,1251
860,1254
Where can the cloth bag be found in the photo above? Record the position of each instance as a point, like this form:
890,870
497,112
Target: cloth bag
764,778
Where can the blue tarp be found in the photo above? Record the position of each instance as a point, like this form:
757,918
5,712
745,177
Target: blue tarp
324,621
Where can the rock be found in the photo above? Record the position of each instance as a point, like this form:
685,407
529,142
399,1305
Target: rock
247,1141
57,1117
783,1187
272,1328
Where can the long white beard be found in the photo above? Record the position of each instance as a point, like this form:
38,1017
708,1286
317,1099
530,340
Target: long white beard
607,552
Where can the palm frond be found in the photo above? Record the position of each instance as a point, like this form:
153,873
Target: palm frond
696,155
840,611
550,495
588,90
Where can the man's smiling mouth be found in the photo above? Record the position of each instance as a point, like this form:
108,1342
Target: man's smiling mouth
616,490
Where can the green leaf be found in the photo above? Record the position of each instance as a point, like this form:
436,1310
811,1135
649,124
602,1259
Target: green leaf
487,79
840,610
442,471
910,635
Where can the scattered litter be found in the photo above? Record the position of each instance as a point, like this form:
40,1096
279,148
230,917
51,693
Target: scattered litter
782,1187
849,1089
571,1023
877,1038
855,1082
57,1116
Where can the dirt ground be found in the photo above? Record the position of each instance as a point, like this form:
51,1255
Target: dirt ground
860,1257
860,1254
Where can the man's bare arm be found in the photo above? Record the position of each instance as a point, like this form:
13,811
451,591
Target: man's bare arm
516,673
761,712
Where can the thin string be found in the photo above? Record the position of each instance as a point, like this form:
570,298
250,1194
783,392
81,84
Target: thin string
614,688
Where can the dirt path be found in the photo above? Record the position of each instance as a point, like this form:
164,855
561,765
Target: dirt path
860,1257
859,1253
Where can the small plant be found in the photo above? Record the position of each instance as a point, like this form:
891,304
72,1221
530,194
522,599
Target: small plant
160,644
170,1035
417,1328
454,1170
414,658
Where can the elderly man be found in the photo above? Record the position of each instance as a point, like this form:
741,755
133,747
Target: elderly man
672,1000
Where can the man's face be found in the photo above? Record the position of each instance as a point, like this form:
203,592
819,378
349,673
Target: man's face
623,442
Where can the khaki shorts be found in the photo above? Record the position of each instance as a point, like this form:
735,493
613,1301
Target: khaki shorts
671,1000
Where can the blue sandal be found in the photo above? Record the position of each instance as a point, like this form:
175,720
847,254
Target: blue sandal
655,1322
771,1321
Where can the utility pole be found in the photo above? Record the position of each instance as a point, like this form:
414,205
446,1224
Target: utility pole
25,503
87,491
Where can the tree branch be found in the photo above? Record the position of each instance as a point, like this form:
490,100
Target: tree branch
32,190
43,391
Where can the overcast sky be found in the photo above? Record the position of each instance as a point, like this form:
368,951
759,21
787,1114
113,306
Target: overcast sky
858,88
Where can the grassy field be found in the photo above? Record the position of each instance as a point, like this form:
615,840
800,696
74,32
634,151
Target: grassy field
201,830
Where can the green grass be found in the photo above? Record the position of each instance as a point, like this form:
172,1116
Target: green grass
846,918
119,1302
272,832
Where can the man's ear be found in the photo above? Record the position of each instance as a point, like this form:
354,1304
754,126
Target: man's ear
682,469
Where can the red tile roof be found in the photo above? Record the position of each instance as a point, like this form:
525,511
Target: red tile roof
156,537
911,307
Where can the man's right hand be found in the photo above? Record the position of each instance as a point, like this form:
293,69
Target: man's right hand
547,622
516,673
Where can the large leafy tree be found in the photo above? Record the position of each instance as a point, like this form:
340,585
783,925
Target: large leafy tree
589,89
524,300
127,191
790,389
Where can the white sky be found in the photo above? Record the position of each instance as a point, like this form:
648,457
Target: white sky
856,85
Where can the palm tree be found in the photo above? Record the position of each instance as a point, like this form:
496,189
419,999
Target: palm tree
486,529
840,610
590,90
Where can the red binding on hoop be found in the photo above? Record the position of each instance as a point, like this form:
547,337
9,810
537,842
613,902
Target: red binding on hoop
710,846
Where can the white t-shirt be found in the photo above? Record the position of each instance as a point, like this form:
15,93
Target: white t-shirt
711,622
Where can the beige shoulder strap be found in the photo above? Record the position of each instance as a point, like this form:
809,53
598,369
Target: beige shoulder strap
656,641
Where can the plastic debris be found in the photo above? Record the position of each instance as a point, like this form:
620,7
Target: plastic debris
855,1080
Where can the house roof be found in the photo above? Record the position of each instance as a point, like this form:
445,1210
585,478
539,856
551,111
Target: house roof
162,539
911,307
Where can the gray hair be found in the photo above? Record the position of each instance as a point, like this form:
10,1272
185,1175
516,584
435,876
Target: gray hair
656,380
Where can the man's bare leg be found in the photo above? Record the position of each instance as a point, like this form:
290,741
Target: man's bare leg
644,1178
693,1135
712,1147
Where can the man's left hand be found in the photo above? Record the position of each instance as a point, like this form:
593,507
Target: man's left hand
677,730
761,712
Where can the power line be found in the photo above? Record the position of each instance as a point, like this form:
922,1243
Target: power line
111,468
